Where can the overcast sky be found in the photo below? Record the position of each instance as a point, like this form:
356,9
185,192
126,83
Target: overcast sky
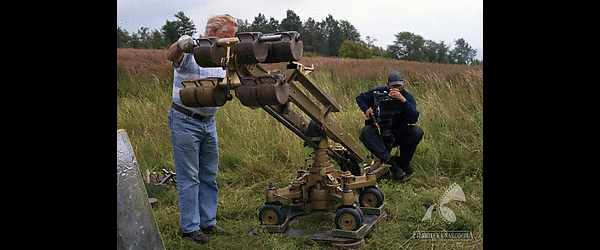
439,20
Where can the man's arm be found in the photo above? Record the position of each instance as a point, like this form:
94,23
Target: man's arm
363,102
184,45
366,100
410,110
175,54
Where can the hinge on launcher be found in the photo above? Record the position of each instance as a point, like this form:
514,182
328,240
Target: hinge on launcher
325,112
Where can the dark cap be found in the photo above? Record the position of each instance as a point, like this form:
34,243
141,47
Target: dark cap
396,79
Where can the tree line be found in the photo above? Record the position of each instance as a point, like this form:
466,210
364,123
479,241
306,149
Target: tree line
329,37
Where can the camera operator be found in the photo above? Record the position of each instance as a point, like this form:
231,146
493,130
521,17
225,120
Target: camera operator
405,136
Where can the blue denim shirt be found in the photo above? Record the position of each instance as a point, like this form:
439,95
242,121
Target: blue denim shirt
189,70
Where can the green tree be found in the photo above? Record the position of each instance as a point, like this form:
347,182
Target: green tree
260,23
157,40
272,26
140,40
186,26
291,23
463,53
356,50
323,38
170,31
243,26
409,47
314,37
173,30
122,37
437,52
349,31
377,51
335,36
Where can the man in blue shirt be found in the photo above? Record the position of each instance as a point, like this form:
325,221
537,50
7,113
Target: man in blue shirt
194,135
406,136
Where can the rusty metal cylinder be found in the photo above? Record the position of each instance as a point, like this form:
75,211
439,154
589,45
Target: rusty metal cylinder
289,49
348,197
371,176
271,195
263,90
250,50
319,199
273,90
247,92
195,94
208,54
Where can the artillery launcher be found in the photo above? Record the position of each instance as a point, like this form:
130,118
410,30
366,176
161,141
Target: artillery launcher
322,187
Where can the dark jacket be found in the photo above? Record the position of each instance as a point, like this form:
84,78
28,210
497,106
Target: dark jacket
410,115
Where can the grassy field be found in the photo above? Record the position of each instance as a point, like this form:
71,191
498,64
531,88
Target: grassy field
450,100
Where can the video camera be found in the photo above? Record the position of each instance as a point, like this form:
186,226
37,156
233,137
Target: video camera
386,108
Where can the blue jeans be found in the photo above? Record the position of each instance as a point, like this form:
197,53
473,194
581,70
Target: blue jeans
196,153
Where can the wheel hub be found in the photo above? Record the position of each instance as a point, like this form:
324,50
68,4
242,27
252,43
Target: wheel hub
370,200
270,218
347,222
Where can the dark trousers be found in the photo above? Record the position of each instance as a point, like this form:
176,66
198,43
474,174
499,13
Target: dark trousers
407,138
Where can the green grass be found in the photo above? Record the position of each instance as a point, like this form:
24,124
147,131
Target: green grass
256,150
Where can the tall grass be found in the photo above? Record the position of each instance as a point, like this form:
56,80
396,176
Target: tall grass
255,149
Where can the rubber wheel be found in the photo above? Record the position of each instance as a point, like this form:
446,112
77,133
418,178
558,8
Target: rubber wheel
272,215
348,219
362,214
371,198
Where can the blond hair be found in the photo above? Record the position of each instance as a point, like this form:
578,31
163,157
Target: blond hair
221,26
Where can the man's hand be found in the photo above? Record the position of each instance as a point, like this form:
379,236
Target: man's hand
369,113
397,95
186,44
